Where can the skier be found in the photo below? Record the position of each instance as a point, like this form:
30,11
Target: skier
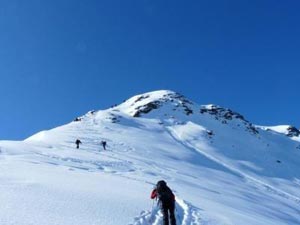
77,142
103,144
166,201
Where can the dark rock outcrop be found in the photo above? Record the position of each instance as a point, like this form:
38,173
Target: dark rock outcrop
225,115
144,109
178,100
114,118
77,119
293,132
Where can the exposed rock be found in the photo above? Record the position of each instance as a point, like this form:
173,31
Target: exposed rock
210,132
141,98
144,109
112,106
175,99
252,128
113,118
77,119
182,102
225,115
80,118
187,110
220,112
293,132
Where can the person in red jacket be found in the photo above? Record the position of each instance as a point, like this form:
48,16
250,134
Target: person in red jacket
166,201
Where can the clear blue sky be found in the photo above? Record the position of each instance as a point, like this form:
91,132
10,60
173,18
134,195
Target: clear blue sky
62,58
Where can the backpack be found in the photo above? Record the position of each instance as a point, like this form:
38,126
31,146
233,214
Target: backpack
164,193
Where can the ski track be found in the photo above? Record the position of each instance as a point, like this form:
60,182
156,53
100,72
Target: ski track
108,162
185,213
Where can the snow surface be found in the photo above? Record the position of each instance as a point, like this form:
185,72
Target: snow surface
280,129
221,172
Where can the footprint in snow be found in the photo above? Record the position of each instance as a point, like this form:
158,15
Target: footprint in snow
185,213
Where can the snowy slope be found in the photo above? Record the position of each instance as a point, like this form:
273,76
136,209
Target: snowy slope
223,169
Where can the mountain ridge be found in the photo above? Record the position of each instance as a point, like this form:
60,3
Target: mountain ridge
142,104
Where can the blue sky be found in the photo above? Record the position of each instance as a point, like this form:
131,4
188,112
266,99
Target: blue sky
60,59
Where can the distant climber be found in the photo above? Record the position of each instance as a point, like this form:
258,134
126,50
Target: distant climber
77,142
166,201
103,143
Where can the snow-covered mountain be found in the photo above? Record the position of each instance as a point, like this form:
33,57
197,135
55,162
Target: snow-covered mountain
223,169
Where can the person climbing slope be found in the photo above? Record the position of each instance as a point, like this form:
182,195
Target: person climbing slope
166,201
103,143
77,142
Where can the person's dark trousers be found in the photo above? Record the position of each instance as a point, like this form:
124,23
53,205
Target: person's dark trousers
172,214
168,210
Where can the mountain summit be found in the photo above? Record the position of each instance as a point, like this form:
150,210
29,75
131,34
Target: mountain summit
142,104
222,168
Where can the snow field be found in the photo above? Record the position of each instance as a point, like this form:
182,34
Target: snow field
221,173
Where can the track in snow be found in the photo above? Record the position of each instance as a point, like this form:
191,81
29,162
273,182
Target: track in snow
186,214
